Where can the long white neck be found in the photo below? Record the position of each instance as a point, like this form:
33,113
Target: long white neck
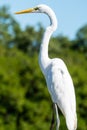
43,55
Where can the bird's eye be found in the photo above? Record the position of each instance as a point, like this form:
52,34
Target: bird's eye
36,8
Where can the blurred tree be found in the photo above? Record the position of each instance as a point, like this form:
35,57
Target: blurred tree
81,39
24,39
64,41
7,26
39,36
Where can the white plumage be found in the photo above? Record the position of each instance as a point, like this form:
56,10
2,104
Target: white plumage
57,77
61,89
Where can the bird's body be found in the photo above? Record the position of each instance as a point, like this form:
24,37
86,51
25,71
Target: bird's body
61,89
57,77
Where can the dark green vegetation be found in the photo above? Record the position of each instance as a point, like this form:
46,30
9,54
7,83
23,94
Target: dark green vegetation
25,103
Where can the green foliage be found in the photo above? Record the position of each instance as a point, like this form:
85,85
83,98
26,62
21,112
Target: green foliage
25,103
81,41
7,26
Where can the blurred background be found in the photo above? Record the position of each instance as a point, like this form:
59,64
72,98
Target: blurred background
25,103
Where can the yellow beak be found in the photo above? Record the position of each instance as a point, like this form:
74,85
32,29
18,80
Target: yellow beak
25,11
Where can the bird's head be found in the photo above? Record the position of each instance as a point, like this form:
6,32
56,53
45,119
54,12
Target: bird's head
38,9
42,9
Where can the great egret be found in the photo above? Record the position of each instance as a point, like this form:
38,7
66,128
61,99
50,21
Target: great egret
57,77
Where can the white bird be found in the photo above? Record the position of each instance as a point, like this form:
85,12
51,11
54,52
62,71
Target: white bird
58,79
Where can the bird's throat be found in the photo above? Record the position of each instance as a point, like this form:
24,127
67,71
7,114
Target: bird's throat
43,55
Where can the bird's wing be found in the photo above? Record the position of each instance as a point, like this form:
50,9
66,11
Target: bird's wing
61,86
64,95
